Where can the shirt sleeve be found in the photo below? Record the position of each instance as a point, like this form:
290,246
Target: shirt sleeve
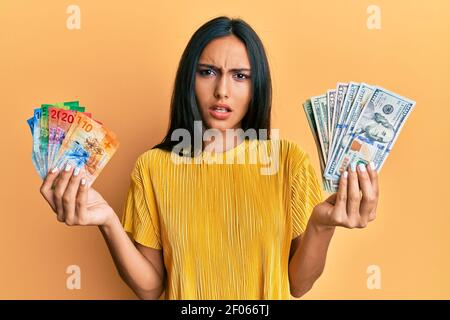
306,191
140,214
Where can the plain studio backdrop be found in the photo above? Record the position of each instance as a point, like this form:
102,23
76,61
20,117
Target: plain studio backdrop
119,59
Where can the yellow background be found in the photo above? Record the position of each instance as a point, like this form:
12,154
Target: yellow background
121,65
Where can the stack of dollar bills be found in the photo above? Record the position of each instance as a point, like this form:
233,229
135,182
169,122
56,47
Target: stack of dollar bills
63,133
355,123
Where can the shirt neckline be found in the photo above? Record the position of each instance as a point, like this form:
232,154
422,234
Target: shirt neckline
236,148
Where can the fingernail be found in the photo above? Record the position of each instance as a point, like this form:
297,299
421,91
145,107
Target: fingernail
345,174
362,167
353,166
54,169
372,165
83,181
76,171
68,166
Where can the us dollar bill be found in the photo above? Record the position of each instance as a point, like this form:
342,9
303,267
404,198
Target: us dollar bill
374,133
352,114
331,103
329,186
349,91
319,107
341,91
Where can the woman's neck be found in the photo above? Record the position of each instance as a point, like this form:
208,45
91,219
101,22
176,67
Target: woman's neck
223,142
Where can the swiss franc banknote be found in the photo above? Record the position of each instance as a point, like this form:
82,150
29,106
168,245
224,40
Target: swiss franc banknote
63,133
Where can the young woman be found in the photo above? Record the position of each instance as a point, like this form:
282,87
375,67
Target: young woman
206,229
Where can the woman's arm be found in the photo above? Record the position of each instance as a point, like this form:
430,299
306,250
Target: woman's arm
346,208
76,204
308,258
140,267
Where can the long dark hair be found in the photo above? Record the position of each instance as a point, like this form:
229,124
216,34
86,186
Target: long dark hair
184,108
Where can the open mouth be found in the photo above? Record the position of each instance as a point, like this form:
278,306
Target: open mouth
220,112
221,109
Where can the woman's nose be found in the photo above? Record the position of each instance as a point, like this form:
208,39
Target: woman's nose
222,90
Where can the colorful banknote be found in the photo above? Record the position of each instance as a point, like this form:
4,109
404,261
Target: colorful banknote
64,134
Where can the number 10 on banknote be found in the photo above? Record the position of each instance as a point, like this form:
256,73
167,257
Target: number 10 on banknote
64,134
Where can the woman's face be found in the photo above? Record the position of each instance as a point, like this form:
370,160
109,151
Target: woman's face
222,83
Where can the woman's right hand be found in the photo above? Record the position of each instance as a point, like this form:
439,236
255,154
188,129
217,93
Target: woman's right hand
76,204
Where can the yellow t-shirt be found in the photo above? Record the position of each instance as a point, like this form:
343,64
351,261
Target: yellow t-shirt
225,228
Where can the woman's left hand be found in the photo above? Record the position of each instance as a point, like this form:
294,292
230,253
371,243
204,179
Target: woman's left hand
348,208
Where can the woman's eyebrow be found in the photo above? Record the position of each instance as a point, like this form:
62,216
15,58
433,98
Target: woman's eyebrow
218,69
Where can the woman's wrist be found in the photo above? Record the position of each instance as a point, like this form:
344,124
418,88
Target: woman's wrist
317,224
110,223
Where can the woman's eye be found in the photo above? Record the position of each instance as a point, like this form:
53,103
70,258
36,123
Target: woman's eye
209,72
206,72
242,76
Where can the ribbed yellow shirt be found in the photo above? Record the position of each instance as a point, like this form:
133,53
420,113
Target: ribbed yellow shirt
225,228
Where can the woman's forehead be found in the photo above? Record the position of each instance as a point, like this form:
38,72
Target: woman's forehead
226,52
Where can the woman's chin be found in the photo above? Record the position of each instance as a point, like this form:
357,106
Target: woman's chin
221,125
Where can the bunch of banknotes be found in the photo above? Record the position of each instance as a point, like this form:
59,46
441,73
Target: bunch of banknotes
63,133
355,123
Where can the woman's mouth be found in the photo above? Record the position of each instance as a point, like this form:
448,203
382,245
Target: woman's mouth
220,112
